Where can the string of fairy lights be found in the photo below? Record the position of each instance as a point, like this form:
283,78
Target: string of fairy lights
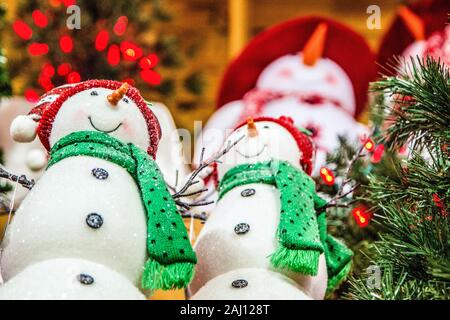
125,50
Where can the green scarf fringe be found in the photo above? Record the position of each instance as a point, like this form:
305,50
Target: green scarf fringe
336,280
303,261
167,277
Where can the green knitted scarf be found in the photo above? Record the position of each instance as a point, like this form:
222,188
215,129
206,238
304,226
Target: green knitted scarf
171,259
302,233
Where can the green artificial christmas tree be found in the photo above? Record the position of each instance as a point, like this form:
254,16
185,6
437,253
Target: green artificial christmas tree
411,257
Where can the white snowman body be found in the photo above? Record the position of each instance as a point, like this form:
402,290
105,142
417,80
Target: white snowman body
84,207
53,219
251,284
18,158
241,231
289,76
69,279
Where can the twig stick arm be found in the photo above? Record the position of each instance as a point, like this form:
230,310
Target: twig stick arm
340,193
203,165
22,180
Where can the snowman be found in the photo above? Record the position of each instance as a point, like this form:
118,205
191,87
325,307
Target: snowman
169,157
314,70
416,31
266,238
102,198
436,45
28,159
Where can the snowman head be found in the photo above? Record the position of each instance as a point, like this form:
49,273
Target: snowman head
266,138
98,105
309,73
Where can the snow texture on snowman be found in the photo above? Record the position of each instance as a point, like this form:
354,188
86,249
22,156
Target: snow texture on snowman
299,69
102,199
267,238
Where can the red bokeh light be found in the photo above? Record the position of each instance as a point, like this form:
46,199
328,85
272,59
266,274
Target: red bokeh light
37,49
150,77
130,51
64,69
149,61
113,55
22,29
66,44
121,25
101,41
73,77
48,70
39,18
378,153
31,95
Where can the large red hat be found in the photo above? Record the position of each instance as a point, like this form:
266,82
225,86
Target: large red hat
344,46
431,13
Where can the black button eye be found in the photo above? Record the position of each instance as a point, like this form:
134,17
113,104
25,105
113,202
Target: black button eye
125,100
248,192
94,93
266,127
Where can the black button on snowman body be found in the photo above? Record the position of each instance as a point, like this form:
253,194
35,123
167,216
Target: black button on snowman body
94,220
100,174
239,283
85,279
242,228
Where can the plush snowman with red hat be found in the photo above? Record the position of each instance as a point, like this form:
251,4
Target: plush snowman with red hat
266,238
317,73
418,30
28,159
101,201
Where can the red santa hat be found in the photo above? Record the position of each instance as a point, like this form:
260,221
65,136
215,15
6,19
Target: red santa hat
46,109
301,137
342,45
414,22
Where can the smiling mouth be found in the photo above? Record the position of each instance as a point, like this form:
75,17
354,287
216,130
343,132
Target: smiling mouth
104,131
248,156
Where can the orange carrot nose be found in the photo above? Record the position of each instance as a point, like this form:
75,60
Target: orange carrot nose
313,49
251,128
413,22
118,94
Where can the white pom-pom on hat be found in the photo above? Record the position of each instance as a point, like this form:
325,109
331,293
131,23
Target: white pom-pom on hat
23,128
36,159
